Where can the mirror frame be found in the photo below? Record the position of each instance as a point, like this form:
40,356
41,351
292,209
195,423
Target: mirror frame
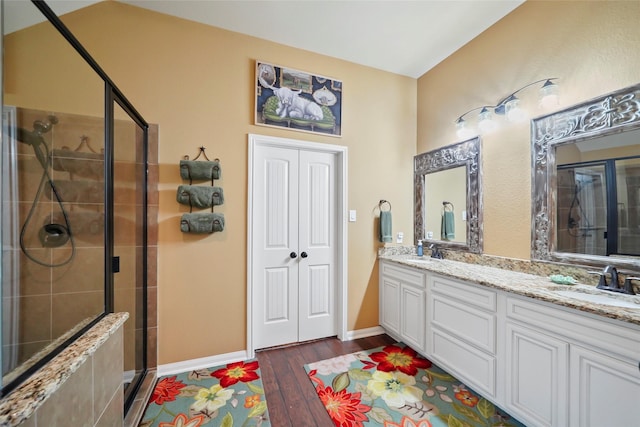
467,154
613,113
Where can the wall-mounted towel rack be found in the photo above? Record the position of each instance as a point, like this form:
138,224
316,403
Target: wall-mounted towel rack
200,196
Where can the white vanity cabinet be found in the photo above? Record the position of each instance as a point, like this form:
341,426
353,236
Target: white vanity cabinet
402,304
462,331
567,368
545,364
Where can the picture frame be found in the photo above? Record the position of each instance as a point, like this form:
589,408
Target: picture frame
297,100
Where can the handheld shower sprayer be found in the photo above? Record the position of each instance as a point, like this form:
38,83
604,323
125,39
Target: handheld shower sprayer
51,235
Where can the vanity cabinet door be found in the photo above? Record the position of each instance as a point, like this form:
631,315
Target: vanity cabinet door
604,390
412,316
537,373
390,305
402,304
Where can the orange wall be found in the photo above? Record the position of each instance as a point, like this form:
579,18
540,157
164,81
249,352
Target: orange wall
592,47
197,83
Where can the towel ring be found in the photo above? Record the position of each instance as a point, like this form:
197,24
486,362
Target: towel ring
446,204
382,202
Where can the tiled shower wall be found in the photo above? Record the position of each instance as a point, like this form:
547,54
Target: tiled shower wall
51,301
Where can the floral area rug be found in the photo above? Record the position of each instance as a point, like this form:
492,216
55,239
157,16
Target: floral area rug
393,386
226,396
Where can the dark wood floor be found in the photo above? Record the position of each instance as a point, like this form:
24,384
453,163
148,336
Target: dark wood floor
291,397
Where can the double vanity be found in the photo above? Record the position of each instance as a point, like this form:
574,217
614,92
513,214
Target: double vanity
548,354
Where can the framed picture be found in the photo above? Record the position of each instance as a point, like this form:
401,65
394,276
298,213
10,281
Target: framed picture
297,100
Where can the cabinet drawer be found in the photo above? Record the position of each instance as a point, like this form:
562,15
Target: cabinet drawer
619,337
473,326
475,295
403,274
471,366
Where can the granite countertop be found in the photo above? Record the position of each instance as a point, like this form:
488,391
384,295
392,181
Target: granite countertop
22,402
529,285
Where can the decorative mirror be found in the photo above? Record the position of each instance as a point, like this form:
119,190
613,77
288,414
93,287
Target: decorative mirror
586,182
448,197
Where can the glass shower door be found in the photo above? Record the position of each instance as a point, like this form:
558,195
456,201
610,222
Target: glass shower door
129,246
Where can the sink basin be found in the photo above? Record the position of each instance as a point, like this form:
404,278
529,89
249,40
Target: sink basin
601,298
424,260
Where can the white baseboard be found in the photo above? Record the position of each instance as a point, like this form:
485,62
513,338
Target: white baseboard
223,359
364,333
201,363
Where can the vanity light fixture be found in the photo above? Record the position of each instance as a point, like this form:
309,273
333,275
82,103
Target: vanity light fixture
508,106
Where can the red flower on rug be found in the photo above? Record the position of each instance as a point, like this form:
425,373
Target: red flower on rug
238,371
466,398
166,390
345,409
181,420
394,358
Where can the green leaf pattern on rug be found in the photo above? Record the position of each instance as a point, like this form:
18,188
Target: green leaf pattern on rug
255,388
486,408
189,391
340,382
227,421
380,415
359,374
469,413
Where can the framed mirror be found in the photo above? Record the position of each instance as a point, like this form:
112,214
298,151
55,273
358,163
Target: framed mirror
448,197
586,182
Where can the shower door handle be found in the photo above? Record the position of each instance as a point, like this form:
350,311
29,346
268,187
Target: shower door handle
115,264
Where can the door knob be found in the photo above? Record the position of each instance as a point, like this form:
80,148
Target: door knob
293,255
304,255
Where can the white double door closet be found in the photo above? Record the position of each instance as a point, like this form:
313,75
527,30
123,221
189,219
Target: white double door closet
296,241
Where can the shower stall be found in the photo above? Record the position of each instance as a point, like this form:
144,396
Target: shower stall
76,157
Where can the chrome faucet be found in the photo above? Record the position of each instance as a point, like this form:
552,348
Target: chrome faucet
614,281
435,252
610,271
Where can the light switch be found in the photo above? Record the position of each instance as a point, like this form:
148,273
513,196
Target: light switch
429,234
464,215
352,216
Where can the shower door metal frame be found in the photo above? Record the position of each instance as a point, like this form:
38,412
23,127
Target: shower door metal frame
111,95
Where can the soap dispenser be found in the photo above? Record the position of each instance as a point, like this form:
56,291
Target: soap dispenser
420,251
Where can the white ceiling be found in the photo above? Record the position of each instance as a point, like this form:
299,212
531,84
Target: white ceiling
399,36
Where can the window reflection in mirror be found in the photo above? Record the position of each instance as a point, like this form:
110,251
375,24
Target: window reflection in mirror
446,221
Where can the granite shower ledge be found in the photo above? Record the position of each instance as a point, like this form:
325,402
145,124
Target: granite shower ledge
21,403
525,284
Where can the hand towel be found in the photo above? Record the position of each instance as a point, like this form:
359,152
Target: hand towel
202,222
448,229
386,233
199,170
200,196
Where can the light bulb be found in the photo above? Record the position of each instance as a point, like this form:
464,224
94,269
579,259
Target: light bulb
485,123
462,130
513,111
549,95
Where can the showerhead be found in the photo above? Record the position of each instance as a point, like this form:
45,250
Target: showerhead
28,137
41,127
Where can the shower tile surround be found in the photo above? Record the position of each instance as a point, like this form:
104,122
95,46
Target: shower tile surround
41,287
527,278
80,386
